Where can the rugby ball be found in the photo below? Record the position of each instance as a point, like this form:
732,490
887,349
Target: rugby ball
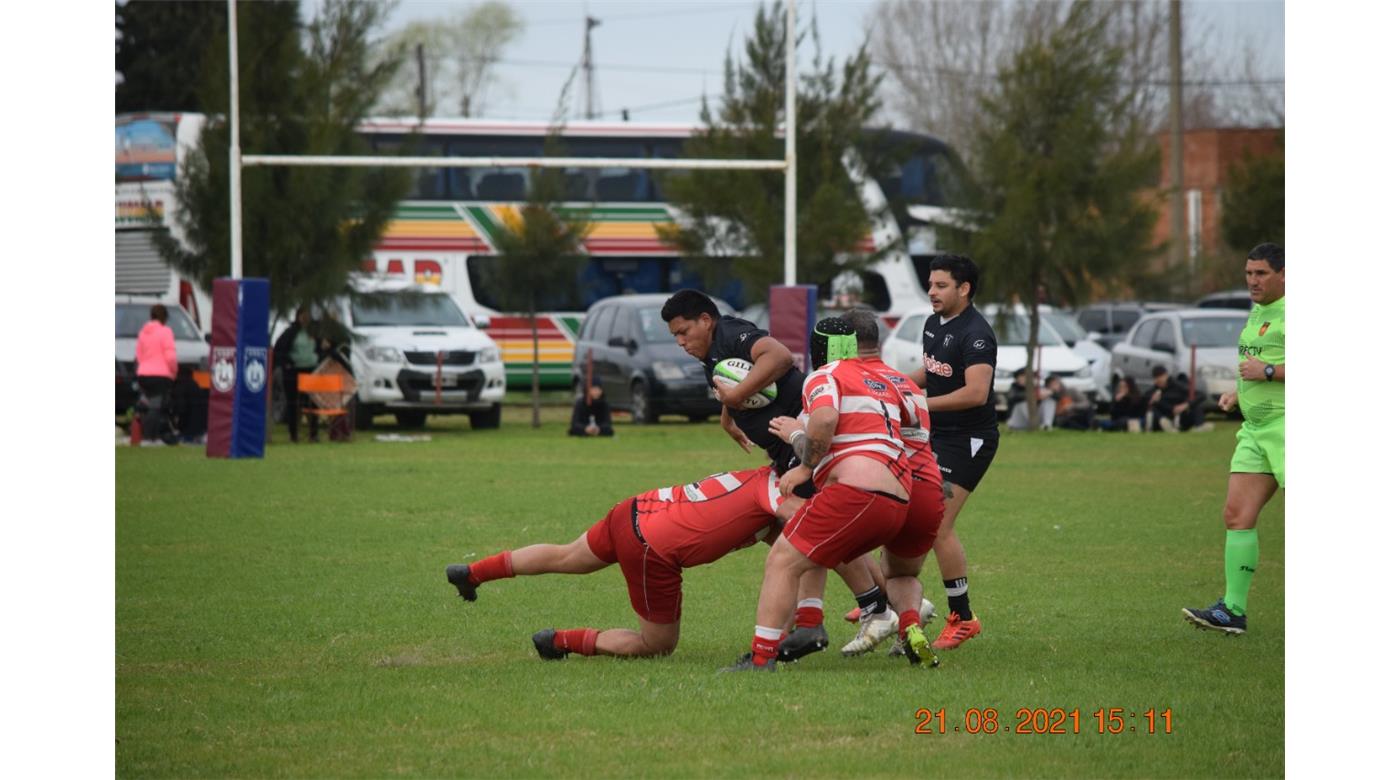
729,373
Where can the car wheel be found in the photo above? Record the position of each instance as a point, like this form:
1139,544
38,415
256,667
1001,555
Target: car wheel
490,418
364,416
643,413
698,418
411,419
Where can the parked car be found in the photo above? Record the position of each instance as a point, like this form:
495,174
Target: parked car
904,351
1099,358
1166,339
1107,323
191,350
1227,299
758,315
637,360
414,353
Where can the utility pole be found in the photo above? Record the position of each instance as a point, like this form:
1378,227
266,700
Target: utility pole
422,84
591,86
1178,194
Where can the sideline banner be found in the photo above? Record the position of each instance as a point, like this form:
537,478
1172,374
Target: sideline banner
792,313
238,369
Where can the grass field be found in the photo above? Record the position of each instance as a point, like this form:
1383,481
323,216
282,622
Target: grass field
289,617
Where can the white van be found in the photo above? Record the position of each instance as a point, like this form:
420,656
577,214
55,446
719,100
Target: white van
414,353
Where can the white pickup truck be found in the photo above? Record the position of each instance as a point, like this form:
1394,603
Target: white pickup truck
414,353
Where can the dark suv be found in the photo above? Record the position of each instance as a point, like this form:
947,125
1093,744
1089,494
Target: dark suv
637,360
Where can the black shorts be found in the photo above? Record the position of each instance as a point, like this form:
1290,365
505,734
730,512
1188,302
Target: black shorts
964,457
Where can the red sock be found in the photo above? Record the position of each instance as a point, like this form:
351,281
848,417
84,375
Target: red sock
809,617
764,649
496,567
907,618
577,640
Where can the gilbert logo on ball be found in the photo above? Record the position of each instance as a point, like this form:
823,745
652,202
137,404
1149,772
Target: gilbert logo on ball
729,373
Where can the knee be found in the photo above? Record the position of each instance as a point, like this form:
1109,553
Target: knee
659,646
1237,518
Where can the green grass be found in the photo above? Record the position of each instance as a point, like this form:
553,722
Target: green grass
289,617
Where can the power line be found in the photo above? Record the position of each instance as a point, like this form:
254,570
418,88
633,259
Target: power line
964,74
708,9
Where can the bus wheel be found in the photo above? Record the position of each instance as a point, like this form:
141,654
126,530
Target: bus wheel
642,411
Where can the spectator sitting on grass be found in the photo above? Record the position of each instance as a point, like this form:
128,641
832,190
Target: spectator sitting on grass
1020,410
1073,410
1169,404
592,417
1128,409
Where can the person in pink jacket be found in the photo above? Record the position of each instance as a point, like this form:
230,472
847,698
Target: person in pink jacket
155,373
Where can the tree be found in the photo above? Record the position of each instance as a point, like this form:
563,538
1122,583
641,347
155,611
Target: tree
460,54
540,245
304,228
1061,167
740,213
158,45
1252,203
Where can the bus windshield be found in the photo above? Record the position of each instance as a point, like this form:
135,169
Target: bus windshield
405,308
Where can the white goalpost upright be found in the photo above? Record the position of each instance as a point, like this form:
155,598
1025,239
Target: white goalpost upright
788,164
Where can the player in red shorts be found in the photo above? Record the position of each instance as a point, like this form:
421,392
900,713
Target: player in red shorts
851,449
906,554
652,537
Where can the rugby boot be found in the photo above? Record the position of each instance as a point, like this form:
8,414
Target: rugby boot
956,631
746,664
459,574
544,645
917,649
1216,617
801,642
873,630
927,612
853,616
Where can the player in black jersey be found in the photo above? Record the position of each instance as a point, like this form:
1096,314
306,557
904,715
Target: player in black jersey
960,357
699,329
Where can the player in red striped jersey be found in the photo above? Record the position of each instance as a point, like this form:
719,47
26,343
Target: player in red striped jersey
851,449
652,537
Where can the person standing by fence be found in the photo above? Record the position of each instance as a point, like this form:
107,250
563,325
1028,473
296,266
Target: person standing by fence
156,367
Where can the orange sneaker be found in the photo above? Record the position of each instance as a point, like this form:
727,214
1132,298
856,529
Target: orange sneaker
853,616
957,631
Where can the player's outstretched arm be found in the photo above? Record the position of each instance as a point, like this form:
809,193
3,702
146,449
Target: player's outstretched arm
727,423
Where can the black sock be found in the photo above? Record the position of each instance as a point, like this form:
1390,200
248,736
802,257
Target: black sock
957,597
872,602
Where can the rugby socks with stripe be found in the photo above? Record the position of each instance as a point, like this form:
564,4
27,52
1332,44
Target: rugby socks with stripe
957,597
765,644
809,613
583,641
872,602
496,567
1241,559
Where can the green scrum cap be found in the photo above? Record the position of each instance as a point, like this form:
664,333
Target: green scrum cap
832,339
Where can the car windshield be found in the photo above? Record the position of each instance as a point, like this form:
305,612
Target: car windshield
406,308
654,329
1212,331
1064,325
1014,330
131,317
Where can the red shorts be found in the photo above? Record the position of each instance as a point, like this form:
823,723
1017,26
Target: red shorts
925,515
653,584
841,523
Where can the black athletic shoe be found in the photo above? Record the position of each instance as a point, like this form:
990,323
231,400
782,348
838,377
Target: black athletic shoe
802,642
459,574
1216,617
544,645
746,664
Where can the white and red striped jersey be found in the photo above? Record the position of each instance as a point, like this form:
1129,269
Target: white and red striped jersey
701,522
871,415
914,427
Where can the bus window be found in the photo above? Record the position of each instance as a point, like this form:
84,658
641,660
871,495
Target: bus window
622,184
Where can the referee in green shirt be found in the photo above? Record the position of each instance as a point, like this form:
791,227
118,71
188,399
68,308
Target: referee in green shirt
1256,470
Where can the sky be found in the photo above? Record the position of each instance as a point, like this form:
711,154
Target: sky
656,59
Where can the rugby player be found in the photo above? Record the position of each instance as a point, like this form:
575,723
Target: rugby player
1256,470
850,449
960,357
652,537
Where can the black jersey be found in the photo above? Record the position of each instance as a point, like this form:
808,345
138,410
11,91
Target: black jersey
734,338
949,348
